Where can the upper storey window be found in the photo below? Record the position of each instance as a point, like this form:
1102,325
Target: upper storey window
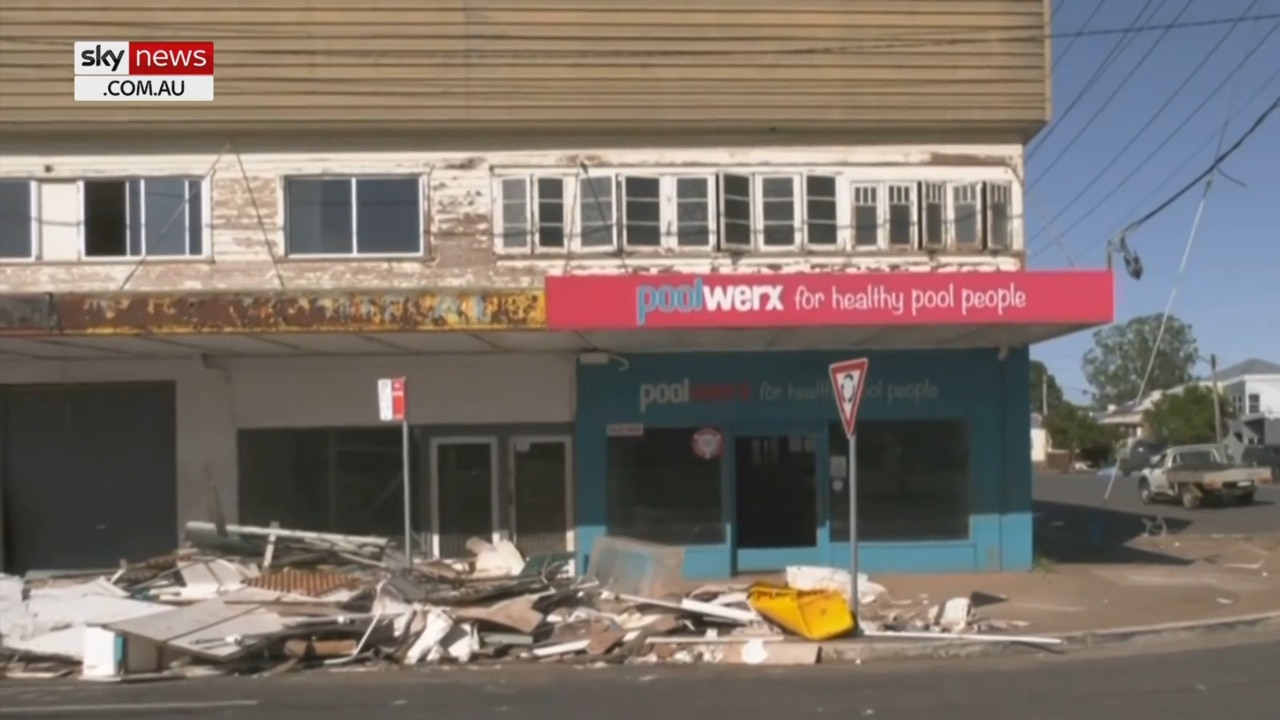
367,216
144,217
609,213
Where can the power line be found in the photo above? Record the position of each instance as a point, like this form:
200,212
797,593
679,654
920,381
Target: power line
1156,149
988,36
1119,47
1072,42
1218,161
1097,113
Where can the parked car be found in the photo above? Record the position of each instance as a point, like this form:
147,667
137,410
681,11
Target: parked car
1193,474
1267,456
1137,455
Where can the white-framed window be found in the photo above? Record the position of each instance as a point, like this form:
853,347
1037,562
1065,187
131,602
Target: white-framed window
597,213
641,208
1255,403
535,213
901,215
143,217
821,212
19,219
365,215
966,215
865,201
694,197
999,207
933,215
737,212
779,220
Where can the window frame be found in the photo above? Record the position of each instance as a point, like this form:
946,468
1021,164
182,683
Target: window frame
1251,407
722,221
759,226
913,215
881,206
671,206
355,254
842,199
206,222
922,207
33,190
576,200
989,190
568,213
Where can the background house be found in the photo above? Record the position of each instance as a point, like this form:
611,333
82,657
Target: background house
1252,387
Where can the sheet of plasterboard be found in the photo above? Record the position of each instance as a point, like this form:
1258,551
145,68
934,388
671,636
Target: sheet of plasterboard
204,629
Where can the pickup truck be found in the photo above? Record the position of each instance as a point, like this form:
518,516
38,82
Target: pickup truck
1195,473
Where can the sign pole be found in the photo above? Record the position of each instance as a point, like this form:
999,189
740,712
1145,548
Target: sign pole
393,407
848,378
853,523
408,506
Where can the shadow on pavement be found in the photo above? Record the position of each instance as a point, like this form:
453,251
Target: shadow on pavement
1067,533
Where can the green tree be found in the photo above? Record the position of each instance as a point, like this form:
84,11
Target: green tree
1185,417
1044,385
1072,428
1115,365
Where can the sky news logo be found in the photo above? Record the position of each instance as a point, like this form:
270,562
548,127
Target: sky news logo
115,71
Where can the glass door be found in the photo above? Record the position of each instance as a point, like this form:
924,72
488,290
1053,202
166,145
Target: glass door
778,513
539,494
463,493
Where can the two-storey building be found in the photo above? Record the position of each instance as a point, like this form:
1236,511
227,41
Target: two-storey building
611,246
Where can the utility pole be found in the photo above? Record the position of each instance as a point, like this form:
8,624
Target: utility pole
1217,400
1044,395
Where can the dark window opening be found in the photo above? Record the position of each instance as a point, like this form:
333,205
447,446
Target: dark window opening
642,211
17,239
913,481
735,211
660,491
820,210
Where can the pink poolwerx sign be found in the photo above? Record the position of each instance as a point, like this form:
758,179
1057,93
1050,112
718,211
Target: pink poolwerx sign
848,377
886,299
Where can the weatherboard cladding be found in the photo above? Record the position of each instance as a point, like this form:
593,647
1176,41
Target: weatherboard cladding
961,68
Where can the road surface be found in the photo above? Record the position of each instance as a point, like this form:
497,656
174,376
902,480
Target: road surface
1066,496
1195,682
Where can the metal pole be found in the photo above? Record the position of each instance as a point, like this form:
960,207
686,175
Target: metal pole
853,526
1217,402
408,495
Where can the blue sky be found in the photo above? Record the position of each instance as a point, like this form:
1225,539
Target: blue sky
1230,292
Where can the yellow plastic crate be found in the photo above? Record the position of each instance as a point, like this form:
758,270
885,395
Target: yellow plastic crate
811,614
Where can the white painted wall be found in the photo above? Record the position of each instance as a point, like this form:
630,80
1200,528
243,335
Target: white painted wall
1039,445
315,392
244,214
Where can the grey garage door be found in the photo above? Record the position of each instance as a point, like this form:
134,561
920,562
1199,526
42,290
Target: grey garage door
88,474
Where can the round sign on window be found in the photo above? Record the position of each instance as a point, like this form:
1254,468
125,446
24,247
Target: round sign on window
708,443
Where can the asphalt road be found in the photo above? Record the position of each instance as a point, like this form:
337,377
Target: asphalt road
1063,496
1194,683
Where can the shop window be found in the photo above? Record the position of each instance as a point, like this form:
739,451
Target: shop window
999,217
660,491
694,212
596,212
735,212
778,211
933,215
821,211
913,481
902,217
866,216
143,217
17,219
353,216
642,212
966,206
343,480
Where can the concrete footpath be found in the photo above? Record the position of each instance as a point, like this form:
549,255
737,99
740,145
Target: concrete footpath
1169,587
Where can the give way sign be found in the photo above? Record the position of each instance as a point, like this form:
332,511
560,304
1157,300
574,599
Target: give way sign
847,380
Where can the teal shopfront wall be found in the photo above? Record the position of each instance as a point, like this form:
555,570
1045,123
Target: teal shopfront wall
787,394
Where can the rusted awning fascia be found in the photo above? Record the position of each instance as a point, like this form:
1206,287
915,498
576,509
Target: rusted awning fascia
317,311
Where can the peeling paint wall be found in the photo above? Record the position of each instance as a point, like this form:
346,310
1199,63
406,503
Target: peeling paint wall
245,233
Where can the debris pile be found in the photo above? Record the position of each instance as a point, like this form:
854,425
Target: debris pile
266,600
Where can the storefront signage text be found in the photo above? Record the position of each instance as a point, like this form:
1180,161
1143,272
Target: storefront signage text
700,297
684,392
607,302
